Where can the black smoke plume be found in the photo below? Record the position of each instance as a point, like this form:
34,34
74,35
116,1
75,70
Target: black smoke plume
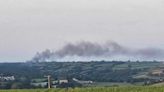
109,50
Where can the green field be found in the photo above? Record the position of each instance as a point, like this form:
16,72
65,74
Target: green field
102,74
96,89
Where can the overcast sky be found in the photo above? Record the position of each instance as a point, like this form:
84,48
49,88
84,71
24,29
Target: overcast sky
28,26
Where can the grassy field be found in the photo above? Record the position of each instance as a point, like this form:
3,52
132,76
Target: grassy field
96,89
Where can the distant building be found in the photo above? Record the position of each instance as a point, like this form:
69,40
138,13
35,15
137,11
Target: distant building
44,84
54,84
63,81
41,84
82,82
7,78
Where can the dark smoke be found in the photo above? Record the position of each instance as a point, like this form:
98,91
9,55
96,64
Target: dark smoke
43,56
151,53
86,49
109,50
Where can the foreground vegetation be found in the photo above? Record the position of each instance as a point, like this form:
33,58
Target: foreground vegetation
96,89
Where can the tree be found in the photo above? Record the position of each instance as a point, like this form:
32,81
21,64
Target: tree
16,85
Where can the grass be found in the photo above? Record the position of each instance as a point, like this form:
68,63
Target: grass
110,84
95,89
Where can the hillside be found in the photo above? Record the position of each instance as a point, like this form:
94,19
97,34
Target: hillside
99,72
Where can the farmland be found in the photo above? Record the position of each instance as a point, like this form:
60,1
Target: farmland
100,73
95,89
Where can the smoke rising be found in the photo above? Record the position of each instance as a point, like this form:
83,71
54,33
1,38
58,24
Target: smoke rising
89,50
